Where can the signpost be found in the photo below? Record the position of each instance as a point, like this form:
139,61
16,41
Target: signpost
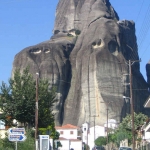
16,135
16,131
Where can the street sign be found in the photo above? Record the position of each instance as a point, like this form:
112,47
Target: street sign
16,130
16,137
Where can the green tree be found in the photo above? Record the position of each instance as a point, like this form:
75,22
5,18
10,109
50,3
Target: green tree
17,100
86,147
120,135
100,141
124,131
139,120
47,98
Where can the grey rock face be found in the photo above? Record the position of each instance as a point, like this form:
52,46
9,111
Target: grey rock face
87,59
148,73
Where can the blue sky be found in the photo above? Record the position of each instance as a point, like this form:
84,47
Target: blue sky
28,22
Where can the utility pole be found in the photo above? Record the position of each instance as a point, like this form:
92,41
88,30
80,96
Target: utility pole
94,125
87,133
94,128
107,124
107,117
132,105
36,114
131,101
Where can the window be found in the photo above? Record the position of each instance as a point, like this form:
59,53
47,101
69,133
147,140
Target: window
71,132
84,129
61,132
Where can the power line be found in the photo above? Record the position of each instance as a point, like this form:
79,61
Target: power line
145,50
139,12
144,29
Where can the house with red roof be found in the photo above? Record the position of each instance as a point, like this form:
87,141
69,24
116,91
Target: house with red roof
69,137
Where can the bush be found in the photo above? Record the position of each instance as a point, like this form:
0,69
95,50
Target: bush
100,141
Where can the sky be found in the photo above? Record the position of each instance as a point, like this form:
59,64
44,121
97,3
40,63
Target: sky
25,23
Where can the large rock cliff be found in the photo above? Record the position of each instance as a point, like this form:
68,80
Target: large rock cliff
87,59
148,74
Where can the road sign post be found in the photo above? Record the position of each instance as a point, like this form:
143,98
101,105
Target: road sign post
16,135
16,131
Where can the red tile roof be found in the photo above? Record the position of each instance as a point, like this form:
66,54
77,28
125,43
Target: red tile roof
67,126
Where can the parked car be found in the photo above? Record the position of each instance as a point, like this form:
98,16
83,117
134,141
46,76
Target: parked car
125,148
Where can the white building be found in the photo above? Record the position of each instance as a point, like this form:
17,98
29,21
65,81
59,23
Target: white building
95,132
69,137
112,124
90,134
146,131
2,127
146,126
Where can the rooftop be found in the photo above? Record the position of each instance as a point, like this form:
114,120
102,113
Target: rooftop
67,126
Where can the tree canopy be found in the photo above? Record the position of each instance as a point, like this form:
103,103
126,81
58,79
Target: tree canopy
124,130
100,141
17,100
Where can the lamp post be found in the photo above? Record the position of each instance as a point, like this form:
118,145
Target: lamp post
36,113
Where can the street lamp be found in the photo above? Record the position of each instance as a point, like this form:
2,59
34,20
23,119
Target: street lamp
36,113
132,116
126,98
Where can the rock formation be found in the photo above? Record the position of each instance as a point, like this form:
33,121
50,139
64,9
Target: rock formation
87,59
148,73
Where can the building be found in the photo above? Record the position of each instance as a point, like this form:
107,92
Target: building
90,134
69,137
112,124
2,127
147,103
146,126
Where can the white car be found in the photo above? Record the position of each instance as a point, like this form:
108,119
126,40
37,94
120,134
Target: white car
125,148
